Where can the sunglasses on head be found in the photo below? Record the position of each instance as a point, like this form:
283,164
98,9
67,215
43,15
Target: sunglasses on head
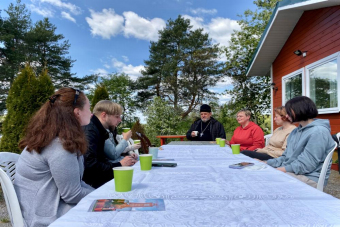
76,95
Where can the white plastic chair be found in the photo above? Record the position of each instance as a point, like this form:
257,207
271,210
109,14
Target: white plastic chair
325,167
266,139
7,163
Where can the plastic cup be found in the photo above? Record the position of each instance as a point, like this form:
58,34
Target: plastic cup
136,141
235,148
222,142
145,161
123,178
154,152
126,129
218,141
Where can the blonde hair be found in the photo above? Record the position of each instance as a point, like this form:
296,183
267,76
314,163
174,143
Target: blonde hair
108,107
245,111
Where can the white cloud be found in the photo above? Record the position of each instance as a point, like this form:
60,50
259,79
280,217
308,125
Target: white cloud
100,72
223,98
41,11
106,23
132,71
142,28
107,66
126,59
68,17
203,11
63,5
219,29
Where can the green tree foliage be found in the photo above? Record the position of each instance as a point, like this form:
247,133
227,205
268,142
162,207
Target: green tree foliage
249,92
99,94
27,94
37,45
182,65
12,46
121,90
162,119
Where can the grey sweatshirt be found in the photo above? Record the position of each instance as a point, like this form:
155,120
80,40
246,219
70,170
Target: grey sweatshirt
307,148
49,184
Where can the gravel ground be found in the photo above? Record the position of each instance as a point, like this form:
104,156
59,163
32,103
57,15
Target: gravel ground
332,188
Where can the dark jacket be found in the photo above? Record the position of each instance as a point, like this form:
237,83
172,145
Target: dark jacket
98,169
216,130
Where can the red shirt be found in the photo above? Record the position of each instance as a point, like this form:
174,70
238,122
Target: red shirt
250,137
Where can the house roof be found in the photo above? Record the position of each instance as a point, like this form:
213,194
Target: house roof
281,24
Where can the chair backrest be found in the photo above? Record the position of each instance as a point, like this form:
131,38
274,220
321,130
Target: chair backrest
11,199
266,139
144,143
325,167
7,163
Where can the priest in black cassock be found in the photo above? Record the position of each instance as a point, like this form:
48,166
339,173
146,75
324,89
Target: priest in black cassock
207,128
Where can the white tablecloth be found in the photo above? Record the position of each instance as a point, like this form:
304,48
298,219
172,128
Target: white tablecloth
203,191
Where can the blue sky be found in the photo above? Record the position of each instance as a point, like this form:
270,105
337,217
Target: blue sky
113,36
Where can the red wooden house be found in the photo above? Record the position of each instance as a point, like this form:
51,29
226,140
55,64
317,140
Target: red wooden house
300,50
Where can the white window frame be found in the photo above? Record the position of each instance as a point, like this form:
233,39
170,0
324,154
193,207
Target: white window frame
290,75
317,64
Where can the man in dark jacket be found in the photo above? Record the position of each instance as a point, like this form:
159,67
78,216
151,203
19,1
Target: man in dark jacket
207,128
98,169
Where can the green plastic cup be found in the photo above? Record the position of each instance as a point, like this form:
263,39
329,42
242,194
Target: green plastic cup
123,178
145,161
136,141
218,141
126,129
222,142
235,148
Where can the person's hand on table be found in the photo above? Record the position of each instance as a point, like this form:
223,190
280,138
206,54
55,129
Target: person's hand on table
283,169
193,134
134,156
128,161
227,142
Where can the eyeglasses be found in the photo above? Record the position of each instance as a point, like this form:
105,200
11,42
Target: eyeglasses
76,95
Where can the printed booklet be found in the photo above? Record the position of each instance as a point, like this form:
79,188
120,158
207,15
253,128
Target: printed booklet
127,205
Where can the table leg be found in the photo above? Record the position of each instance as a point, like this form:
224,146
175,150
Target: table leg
162,141
182,139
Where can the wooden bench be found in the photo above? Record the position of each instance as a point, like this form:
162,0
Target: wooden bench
164,137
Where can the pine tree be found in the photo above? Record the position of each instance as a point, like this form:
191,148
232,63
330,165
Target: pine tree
27,94
99,94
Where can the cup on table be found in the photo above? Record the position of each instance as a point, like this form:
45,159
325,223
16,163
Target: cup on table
218,141
126,129
235,148
154,152
145,161
136,141
123,178
222,142
196,132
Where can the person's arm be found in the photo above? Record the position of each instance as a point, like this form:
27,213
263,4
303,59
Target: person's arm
221,132
258,139
112,151
91,156
192,128
312,155
65,172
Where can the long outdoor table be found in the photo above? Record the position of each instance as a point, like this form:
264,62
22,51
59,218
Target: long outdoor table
192,143
203,191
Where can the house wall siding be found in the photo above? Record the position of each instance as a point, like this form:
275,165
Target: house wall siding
318,33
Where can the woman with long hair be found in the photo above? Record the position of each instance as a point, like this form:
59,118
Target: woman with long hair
278,141
48,179
307,145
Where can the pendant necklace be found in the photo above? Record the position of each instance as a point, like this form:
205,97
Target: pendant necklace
201,134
